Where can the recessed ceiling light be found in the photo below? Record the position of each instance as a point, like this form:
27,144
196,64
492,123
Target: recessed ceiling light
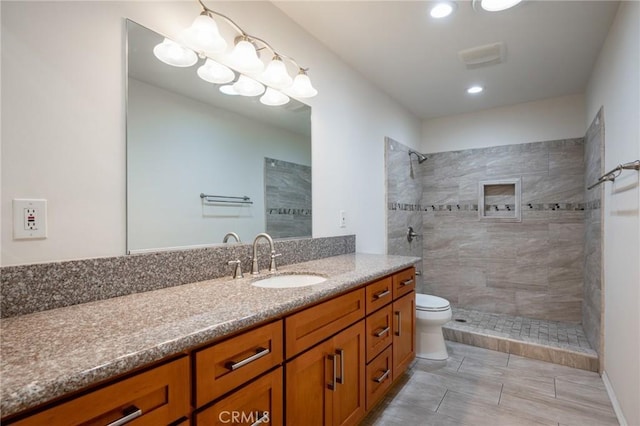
497,5
475,89
442,9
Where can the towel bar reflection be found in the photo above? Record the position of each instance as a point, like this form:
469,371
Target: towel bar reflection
613,174
225,199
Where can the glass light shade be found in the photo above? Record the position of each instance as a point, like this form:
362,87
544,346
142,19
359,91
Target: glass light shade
442,10
172,53
276,74
203,36
244,58
302,87
498,5
228,89
246,86
273,97
213,72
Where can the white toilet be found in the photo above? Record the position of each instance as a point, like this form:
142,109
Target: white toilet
432,313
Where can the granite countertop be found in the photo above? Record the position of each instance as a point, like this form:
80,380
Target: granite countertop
47,354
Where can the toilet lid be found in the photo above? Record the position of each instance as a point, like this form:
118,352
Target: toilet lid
426,302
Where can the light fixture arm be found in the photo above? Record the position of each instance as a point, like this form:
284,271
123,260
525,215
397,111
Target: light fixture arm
246,36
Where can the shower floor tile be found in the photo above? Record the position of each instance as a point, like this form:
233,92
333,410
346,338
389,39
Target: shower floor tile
554,341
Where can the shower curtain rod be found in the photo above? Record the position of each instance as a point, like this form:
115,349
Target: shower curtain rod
614,173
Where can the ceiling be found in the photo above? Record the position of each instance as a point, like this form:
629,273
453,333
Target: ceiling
551,47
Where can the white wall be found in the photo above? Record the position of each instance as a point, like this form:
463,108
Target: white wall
548,119
177,148
63,134
615,85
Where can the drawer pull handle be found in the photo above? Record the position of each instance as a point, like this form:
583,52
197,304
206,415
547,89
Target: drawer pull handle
382,332
399,314
381,294
407,282
263,419
384,376
341,378
332,385
260,352
133,413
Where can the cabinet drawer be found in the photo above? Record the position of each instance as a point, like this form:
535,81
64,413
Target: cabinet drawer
379,331
379,293
258,402
404,282
379,375
155,397
313,325
228,364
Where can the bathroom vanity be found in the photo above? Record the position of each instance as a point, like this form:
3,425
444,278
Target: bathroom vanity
218,352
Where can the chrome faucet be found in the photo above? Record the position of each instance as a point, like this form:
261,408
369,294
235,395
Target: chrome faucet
231,234
254,264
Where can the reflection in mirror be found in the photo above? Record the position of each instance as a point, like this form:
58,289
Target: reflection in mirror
185,138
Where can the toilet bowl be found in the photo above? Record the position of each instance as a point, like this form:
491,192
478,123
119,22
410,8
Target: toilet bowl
432,313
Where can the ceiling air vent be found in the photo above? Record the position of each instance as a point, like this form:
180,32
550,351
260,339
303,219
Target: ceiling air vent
482,56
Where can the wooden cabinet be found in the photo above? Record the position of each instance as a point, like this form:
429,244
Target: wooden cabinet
379,331
379,377
158,396
326,384
312,325
258,402
404,336
379,293
232,362
404,282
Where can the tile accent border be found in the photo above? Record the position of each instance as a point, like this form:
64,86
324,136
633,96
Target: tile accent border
591,205
32,288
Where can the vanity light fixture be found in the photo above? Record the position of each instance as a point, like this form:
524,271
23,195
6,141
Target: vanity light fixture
474,90
202,39
442,9
494,5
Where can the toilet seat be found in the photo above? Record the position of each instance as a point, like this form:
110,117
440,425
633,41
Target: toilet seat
428,303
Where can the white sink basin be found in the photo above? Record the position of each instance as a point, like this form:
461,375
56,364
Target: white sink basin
289,281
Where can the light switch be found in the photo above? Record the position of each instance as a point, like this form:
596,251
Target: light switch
29,219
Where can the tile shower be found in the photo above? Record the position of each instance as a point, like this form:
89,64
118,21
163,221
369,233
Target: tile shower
536,280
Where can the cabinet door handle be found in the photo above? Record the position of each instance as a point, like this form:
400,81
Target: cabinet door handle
382,332
260,352
384,376
263,419
332,385
407,282
399,315
134,413
340,352
381,294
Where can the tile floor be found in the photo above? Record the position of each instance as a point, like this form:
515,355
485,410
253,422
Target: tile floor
479,387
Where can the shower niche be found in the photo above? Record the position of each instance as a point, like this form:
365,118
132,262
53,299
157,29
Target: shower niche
499,200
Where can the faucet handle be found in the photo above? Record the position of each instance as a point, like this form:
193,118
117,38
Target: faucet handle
237,270
272,265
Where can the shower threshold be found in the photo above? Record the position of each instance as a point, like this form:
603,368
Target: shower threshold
553,341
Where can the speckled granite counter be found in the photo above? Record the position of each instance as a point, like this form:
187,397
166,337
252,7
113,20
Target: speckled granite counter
48,354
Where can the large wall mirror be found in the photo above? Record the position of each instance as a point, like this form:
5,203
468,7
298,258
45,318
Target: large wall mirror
185,138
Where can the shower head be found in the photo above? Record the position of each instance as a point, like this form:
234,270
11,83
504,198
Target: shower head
421,157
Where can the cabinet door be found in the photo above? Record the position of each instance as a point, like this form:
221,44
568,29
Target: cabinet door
349,397
258,402
309,380
404,335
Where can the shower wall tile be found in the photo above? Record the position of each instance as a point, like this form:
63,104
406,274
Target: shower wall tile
592,259
534,267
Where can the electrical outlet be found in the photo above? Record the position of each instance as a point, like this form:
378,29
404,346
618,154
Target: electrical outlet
29,219
342,219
